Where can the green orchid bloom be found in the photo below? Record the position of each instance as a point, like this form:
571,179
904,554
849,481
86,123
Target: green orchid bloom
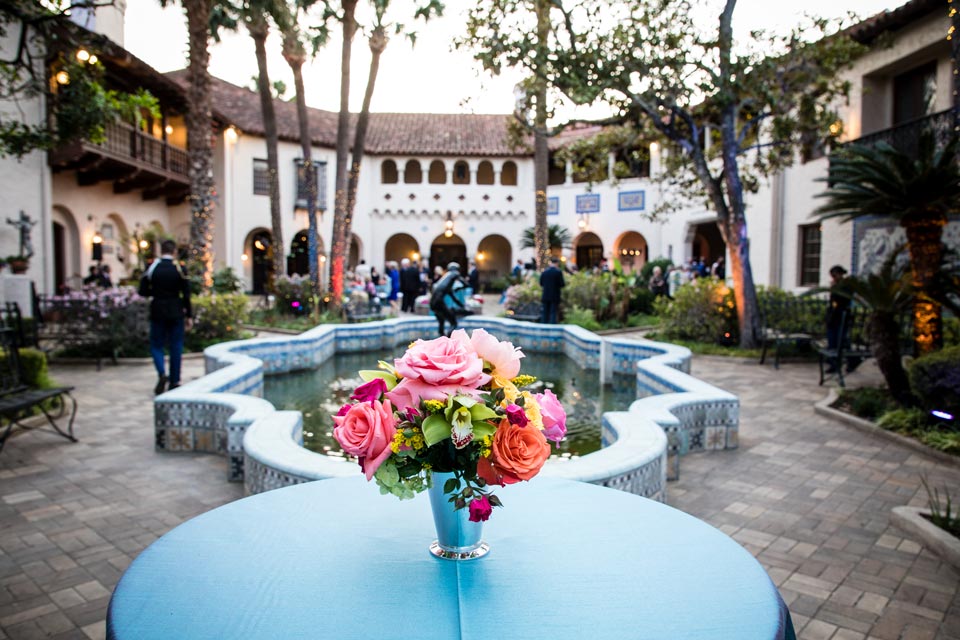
463,420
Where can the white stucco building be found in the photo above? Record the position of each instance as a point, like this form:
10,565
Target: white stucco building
424,174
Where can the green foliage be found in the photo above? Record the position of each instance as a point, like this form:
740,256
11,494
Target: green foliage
216,318
935,380
703,311
941,509
905,421
581,317
34,365
867,402
558,237
523,293
294,294
226,280
274,319
951,332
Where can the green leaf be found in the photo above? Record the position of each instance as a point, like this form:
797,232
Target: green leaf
480,412
465,401
369,374
435,428
451,485
483,429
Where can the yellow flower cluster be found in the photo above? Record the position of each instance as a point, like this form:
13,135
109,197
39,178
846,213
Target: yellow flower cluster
486,446
523,380
411,438
434,406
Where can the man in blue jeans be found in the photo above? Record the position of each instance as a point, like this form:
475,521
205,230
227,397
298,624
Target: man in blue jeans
169,313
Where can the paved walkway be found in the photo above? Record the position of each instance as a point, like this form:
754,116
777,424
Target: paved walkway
809,497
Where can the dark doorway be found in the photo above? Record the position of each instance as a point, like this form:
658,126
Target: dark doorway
589,251
708,244
262,252
443,251
298,262
59,258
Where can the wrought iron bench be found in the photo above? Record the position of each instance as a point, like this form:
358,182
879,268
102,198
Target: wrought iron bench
357,310
797,321
854,345
528,311
19,401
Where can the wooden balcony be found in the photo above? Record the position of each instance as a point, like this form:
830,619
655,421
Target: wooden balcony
131,159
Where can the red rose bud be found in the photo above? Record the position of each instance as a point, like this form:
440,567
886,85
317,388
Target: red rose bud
516,415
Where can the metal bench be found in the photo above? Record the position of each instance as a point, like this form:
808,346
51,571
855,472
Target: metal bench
528,311
19,401
363,311
797,321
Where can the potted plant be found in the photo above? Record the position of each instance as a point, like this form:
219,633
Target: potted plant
18,263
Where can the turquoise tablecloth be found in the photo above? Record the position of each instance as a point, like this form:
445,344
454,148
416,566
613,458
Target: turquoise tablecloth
334,559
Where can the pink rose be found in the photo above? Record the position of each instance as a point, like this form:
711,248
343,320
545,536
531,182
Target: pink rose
366,431
516,415
370,390
480,509
504,358
434,369
343,410
554,417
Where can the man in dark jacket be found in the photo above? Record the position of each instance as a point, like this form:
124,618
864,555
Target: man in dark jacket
473,278
409,285
551,280
169,313
444,304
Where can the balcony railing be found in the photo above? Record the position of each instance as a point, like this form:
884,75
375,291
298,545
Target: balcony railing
905,137
124,141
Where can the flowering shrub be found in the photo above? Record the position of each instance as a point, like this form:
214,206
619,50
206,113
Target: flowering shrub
294,294
702,310
455,405
95,322
522,293
216,318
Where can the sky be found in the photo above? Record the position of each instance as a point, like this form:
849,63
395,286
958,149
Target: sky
430,77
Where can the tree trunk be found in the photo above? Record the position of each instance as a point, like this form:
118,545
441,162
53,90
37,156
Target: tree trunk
340,238
885,341
199,145
378,43
926,254
295,56
257,26
541,153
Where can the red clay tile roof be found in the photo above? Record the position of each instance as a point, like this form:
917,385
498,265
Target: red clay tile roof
442,134
893,19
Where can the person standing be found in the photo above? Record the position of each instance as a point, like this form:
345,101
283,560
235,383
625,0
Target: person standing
393,275
442,294
837,309
551,280
473,278
170,313
409,285
658,284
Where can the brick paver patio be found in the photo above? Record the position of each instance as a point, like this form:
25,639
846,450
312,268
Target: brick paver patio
809,497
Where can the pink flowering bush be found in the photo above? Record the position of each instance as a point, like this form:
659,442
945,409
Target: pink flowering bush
452,405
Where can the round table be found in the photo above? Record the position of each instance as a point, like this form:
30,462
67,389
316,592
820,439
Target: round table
335,559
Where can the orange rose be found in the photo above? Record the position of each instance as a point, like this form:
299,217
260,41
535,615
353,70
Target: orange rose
517,453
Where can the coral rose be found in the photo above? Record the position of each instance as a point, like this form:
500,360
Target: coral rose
553,415
366,431
435,369
517,453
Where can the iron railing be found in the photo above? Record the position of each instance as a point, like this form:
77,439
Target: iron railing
124,141
906,136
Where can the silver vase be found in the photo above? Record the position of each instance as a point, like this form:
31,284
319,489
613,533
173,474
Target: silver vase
457,537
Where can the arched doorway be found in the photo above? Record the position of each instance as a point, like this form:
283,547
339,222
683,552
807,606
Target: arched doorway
298,260
445,250
494,257
66,251
400,246
589,250
259,246
353,256
631,250
707,243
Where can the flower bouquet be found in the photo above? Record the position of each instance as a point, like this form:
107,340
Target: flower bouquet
454,406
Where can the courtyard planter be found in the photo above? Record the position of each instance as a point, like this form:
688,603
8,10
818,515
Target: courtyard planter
915,522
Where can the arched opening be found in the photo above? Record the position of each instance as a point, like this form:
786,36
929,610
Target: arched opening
412,174
66,251
298,260
461,172
445,250
485,173
119,248
400,246
494,258
632,251
707,244
589,250
438,172
353,256
388,172
259,248
508,174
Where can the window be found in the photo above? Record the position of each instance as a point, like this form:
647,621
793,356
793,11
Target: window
388,172
320,172
261,178
915,93
485,173
412,174
438,173
461,173
558,170
508,174
809,255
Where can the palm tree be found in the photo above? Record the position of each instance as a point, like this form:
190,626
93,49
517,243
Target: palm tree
917,192
255,14
558,237
887,295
